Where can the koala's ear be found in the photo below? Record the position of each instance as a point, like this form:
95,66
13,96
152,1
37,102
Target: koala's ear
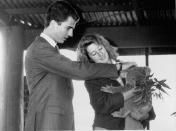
147,71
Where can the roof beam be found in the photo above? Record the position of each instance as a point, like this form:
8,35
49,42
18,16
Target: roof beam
25,11
92,8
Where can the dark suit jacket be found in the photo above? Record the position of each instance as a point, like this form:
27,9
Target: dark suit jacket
49,77
105,103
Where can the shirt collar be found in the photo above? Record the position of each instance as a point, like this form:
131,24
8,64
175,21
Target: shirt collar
49,39
113,61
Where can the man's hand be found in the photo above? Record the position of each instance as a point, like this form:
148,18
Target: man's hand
119,66
127,65
122,66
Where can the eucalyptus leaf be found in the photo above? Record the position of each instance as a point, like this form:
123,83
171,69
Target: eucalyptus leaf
173,114
165,85
161,89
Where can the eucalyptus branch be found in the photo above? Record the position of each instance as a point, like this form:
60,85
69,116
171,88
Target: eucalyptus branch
149,86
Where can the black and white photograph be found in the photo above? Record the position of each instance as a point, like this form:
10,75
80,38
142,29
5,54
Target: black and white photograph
85,65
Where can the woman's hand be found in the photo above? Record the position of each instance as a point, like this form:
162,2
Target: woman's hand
130,93
111,89
122,113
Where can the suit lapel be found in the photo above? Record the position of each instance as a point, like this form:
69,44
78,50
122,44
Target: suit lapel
48,44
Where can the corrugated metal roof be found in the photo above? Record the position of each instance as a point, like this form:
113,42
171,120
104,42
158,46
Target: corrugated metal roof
30,13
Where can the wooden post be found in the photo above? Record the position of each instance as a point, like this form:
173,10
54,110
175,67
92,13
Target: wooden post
12,89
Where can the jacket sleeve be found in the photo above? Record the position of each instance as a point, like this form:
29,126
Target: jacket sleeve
48,59
102,102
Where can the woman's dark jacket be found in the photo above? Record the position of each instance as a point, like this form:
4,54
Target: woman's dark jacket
105,103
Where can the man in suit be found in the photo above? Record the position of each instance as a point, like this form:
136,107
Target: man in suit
49,73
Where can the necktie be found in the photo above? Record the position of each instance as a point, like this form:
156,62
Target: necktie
57,47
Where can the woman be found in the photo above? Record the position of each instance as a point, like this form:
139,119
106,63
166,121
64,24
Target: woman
96,49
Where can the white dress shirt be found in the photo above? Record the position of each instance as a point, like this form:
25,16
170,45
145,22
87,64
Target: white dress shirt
49,39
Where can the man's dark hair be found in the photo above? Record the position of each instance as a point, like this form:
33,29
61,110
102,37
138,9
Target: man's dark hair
59,11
